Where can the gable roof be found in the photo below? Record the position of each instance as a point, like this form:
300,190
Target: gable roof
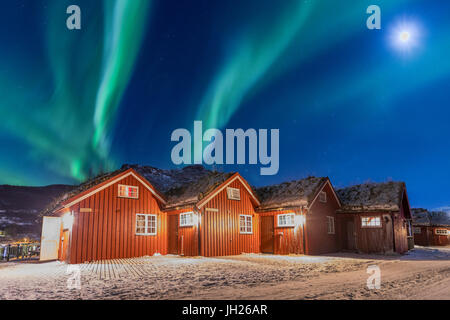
423,217
173,188
290,194
385,196
218,189
95,185
184,186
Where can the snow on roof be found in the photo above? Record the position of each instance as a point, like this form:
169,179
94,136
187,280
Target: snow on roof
290,194
179,186
423,217
182,186
385,196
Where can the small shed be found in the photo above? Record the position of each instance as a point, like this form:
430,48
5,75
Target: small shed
298,217
375,218
431,228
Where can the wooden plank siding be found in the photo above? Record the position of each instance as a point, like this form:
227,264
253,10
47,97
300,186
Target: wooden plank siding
428,236
287,240
187,242
318,241
108,230
219,230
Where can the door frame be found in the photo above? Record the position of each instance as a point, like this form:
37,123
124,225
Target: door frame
174,217
272,218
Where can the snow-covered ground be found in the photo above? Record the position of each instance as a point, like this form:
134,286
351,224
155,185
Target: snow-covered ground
424,273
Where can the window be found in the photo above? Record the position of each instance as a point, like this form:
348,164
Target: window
323,196
286,220
371,222
146,224
417,230
186,219
330,225
441,232
245,224
234,194
128,191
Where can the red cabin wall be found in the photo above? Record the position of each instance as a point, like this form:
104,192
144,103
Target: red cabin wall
318,240
187,238
422,238
108,232
428,237
219,231
439,240
287,240
379,240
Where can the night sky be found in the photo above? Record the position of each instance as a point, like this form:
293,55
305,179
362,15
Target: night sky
351,103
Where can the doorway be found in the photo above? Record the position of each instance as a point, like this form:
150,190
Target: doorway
349,235
64,244
173,234
51,236
267,234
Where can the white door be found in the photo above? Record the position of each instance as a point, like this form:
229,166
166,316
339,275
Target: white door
51,229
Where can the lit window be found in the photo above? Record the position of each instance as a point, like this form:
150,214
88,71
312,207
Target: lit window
146,224
128,192
186,219
234,194
371,222
330,225
323,196
286,220
417,230
441,232
245,224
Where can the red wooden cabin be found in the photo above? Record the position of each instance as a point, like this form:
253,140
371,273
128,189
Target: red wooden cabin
139,211
299,217
431,228
432,235
375,218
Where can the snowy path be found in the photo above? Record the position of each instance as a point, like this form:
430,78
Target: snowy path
424,273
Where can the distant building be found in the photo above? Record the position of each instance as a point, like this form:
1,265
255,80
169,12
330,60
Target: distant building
431,228
375,218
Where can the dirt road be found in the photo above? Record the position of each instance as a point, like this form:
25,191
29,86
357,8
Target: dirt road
422,274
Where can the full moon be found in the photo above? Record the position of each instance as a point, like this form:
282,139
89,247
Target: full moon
405,36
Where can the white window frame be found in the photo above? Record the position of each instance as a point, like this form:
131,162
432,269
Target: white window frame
279,224
436,231
231,195
125,196
372,226
323,197
146,227
191,223
417,230
331,229
246,216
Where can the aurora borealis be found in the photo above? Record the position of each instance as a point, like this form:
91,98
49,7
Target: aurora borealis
349,104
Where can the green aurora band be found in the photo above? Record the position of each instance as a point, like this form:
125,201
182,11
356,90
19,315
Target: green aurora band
77,90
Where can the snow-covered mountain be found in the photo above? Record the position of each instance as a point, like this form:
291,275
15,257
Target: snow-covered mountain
20,207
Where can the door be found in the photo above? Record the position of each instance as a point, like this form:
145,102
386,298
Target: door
351,241
64,245
389,234
267,237
51,231
173,234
